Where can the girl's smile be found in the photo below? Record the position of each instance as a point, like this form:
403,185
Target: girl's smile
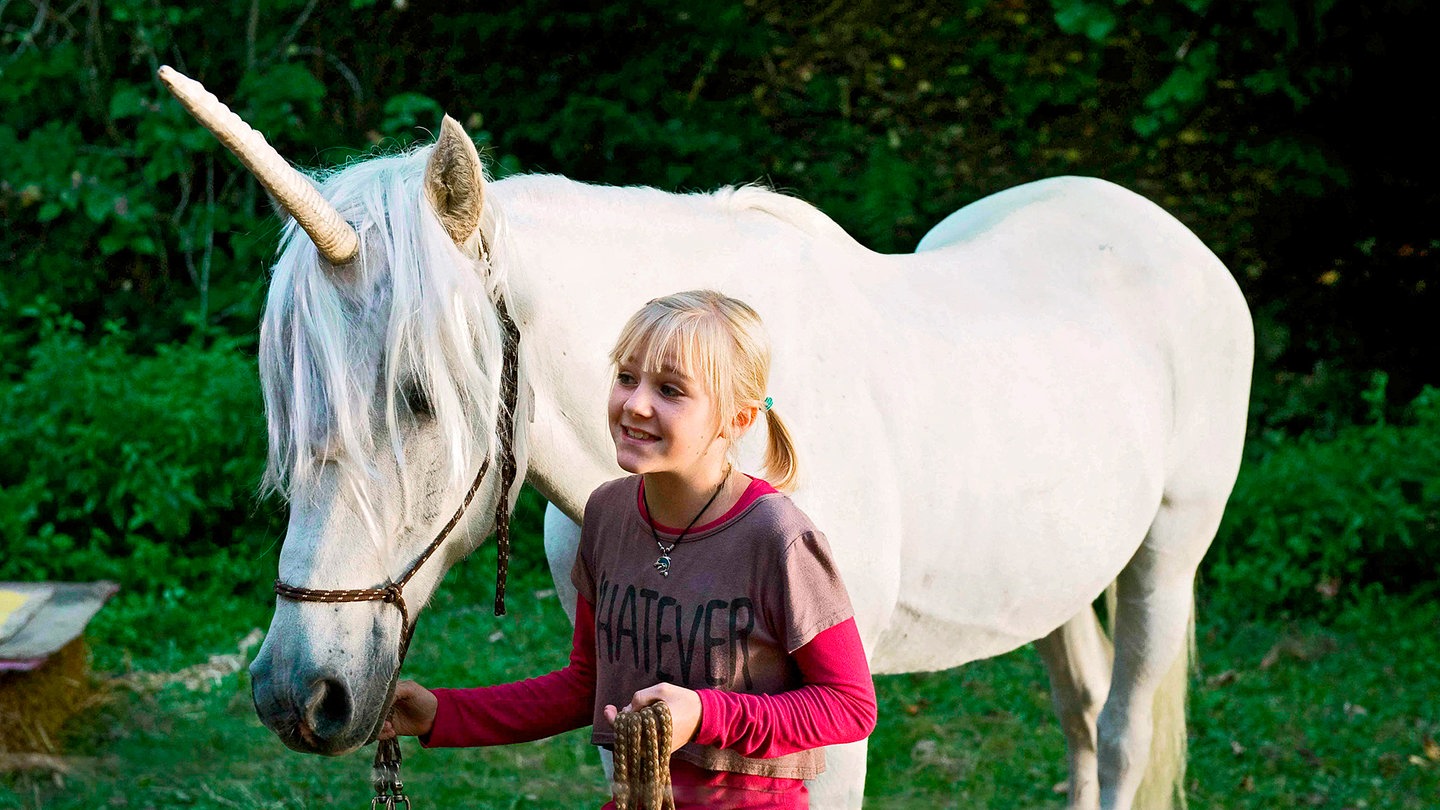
638,435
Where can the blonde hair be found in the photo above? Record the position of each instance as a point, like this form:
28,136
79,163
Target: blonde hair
721,342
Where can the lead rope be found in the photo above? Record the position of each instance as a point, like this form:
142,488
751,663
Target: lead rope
642,759
385,770
505,427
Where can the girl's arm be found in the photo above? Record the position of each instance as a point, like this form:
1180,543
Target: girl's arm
835,705
526,710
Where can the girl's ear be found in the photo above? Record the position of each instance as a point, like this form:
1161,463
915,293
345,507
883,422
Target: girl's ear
743,421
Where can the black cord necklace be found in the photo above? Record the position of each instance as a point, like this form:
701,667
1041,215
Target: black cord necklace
663,563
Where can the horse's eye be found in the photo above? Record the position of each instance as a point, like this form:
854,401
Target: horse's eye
417,401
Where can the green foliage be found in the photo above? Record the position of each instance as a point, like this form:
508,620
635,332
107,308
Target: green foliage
120,207
142,470
1251,51
1094,20
406,111
1182,90
888,117
1314,522
134,468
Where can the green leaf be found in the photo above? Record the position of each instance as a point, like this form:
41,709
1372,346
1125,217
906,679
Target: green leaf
49,211
144,244
127,101
112,243
1094,20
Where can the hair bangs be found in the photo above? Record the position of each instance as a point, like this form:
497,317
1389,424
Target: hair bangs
688,341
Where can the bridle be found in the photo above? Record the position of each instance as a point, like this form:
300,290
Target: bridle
388,787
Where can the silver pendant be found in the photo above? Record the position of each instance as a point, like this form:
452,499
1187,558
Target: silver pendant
663,565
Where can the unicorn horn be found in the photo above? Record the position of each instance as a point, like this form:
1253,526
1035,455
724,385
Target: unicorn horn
335,238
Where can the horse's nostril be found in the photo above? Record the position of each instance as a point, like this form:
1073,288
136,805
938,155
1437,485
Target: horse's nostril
307,734
329,708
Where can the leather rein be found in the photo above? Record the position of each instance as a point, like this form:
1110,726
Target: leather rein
388,787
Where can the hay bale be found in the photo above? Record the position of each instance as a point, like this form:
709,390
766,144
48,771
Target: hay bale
35,705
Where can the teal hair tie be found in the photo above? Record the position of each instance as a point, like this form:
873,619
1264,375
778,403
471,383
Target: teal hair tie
769,403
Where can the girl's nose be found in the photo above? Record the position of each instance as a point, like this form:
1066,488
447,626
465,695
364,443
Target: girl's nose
638,402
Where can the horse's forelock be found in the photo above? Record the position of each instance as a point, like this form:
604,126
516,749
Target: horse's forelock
343,353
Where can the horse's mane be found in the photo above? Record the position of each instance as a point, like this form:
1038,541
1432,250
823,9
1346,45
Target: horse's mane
409,327
727,201
789,210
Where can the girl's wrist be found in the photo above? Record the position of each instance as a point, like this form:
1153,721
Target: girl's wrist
707,729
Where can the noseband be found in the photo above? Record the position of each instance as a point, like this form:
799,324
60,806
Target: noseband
388,787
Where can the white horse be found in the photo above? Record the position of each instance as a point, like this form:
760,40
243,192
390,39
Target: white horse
1048,397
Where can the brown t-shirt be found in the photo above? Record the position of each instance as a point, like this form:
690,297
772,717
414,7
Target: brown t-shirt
742,595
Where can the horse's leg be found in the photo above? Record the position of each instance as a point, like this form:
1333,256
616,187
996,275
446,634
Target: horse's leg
842,785
562,542
1143,722
1078,657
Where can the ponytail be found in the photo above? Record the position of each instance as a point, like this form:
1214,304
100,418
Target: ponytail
781,465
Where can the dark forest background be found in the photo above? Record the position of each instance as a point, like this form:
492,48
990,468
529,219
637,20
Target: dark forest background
1296,138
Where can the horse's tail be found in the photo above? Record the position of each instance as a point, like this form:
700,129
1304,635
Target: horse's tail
1163,787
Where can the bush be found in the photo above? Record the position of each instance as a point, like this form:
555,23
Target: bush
135,468
142,469
1314,522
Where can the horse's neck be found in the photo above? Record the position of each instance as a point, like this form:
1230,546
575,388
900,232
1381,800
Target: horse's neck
584,258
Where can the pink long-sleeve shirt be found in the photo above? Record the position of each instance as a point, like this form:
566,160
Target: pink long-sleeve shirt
835,704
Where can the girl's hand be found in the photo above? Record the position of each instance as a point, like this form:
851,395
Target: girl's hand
414,713
684,710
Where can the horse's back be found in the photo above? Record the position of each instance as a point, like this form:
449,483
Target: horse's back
1097,242
1088,256
1081,340
1054,201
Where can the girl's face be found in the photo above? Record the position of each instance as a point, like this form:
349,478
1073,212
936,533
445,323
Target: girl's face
664,422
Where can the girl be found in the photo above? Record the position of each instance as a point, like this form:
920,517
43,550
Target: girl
698,585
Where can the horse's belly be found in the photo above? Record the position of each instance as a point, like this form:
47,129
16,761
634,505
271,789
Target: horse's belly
1023,501
919,641
997,583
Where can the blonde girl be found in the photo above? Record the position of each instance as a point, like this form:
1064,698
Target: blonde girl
699,585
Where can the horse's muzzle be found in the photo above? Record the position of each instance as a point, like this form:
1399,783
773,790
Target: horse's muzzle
315,715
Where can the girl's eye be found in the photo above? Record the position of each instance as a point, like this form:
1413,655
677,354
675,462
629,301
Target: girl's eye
670,391
625,378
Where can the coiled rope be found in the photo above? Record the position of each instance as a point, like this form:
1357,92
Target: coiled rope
642,759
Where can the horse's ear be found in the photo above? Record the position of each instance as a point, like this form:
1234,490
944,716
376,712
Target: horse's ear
455,182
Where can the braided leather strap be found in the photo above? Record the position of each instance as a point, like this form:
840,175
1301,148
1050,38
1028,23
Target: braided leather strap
505,432
642,759
394,592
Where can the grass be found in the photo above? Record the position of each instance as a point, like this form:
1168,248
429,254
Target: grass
1298,714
